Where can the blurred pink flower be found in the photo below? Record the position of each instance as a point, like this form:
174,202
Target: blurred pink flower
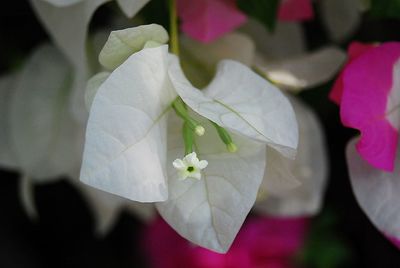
262,242
355,50
395,241
368,91
206,20
295,10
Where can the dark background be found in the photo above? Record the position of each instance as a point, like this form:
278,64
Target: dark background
63,236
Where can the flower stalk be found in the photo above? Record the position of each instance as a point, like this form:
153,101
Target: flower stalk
173,25
225,137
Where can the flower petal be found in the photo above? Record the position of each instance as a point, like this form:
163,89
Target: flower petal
210,211
27,197
355,50
295,10
207,20
370,103
191,159
125,150
68,25
341,17
47,142
179,164
307,71
376,192
93,86
107,207
7,157
200,60
310,168
131,7
62,3
243,102
123,43
234,46
287,40
202,164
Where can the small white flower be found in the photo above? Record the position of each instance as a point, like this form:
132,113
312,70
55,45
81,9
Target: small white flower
190,166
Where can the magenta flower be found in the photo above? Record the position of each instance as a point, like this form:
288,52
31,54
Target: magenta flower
295,10
368,93
262,242
206,20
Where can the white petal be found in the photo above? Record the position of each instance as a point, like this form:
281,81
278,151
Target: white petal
93,86
107,207
287,40
209,212
46,141
196,175
202,164
7,157
234,46
341,17
310,168
62,3
27,197
243,102
306,71
144,211
123,43
131,7
68,25
125,150
179,164
191,159
278,177
376,191
78,106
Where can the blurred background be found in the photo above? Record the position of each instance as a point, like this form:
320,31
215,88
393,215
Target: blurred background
341,236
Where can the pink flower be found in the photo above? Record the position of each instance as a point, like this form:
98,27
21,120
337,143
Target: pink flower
262,242
206,20
368,91
295,10
395,241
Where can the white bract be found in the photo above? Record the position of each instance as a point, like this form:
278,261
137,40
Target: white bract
280,56
376,192
67,23
296,187
40,138
190,166
133,138
290,187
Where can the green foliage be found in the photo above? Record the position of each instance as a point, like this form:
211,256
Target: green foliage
264,11
385,9
324,247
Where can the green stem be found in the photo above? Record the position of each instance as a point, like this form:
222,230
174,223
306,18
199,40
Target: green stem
225,137
188,138
181,110
173,23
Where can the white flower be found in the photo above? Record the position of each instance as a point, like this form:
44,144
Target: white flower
280,56
190,166
131,125
290,187
47,145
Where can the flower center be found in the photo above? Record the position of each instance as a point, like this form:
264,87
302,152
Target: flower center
190,169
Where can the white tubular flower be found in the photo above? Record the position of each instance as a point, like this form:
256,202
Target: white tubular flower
190,166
